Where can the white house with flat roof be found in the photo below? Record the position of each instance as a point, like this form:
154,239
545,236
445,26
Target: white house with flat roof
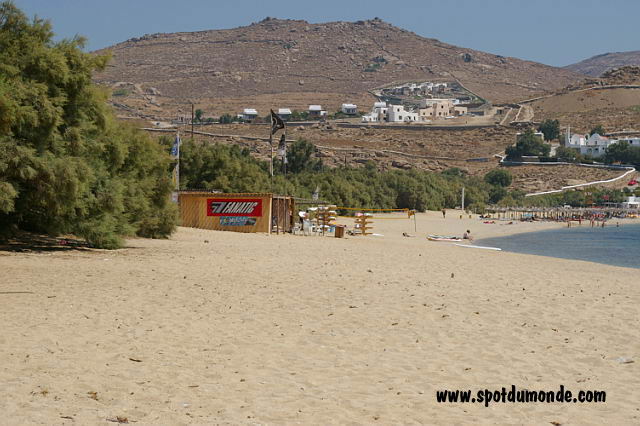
249,114
397,114
350,109
377,114
284,113
316,111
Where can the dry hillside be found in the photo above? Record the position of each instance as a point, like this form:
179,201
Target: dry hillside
292,63
597,65
434,150
615,108
548,178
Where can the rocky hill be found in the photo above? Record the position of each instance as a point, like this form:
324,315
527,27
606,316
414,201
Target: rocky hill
292,63
597,65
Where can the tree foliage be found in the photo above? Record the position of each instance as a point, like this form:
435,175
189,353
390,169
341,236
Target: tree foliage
528,144
232,169
65,165
598,129
569,155
301,157
623,152
579,198
550,129
499,177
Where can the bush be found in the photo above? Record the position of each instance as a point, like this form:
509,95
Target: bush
230,169
528,144
622,152
120,92
66,165
550,129
567,154
499,177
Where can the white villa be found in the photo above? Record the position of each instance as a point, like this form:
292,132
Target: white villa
316,111
350,109
248,114
429,110
284,113
397,114
594,145
377,114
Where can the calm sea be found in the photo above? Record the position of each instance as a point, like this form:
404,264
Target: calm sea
610,245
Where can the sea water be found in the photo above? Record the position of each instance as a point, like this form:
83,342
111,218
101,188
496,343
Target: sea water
619,246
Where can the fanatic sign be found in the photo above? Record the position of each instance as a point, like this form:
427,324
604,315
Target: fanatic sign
234,207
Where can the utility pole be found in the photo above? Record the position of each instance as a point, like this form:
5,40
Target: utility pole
463,199
192,118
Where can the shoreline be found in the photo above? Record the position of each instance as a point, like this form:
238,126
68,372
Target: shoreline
530,245
223,327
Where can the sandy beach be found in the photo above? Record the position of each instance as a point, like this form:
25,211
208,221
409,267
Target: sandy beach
226,328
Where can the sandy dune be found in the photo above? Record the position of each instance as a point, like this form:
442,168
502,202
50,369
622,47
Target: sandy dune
256,329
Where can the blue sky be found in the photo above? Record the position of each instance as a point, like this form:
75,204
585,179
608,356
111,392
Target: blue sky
554,32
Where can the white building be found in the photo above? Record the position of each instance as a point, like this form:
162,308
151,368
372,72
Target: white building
595,145
284,113
397,114
249,114
316,111
631,203
377,114
350,109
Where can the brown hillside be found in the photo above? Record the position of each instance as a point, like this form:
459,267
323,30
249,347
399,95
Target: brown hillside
291,63
616,108
599,64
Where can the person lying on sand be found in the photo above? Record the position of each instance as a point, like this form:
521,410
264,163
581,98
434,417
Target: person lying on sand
404,234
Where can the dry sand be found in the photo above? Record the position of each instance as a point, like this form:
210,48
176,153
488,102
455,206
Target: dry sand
256,329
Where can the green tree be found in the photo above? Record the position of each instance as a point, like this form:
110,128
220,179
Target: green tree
550,129
622,152
499,177
199,115
497,193
226,118
301,157
567,154
455,172
221,167
528,144
598,129
66,165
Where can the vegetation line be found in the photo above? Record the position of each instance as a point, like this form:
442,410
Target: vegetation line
597,182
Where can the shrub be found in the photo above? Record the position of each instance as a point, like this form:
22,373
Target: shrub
66,165
499,177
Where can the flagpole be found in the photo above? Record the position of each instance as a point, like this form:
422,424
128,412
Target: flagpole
271,158
178,164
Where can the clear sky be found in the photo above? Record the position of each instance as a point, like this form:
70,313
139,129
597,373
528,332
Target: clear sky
554,32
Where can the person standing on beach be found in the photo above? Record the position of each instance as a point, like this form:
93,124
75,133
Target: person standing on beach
444,213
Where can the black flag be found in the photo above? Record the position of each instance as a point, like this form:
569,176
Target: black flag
276,122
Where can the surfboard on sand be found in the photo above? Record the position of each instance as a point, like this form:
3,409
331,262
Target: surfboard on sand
478,247
443,238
